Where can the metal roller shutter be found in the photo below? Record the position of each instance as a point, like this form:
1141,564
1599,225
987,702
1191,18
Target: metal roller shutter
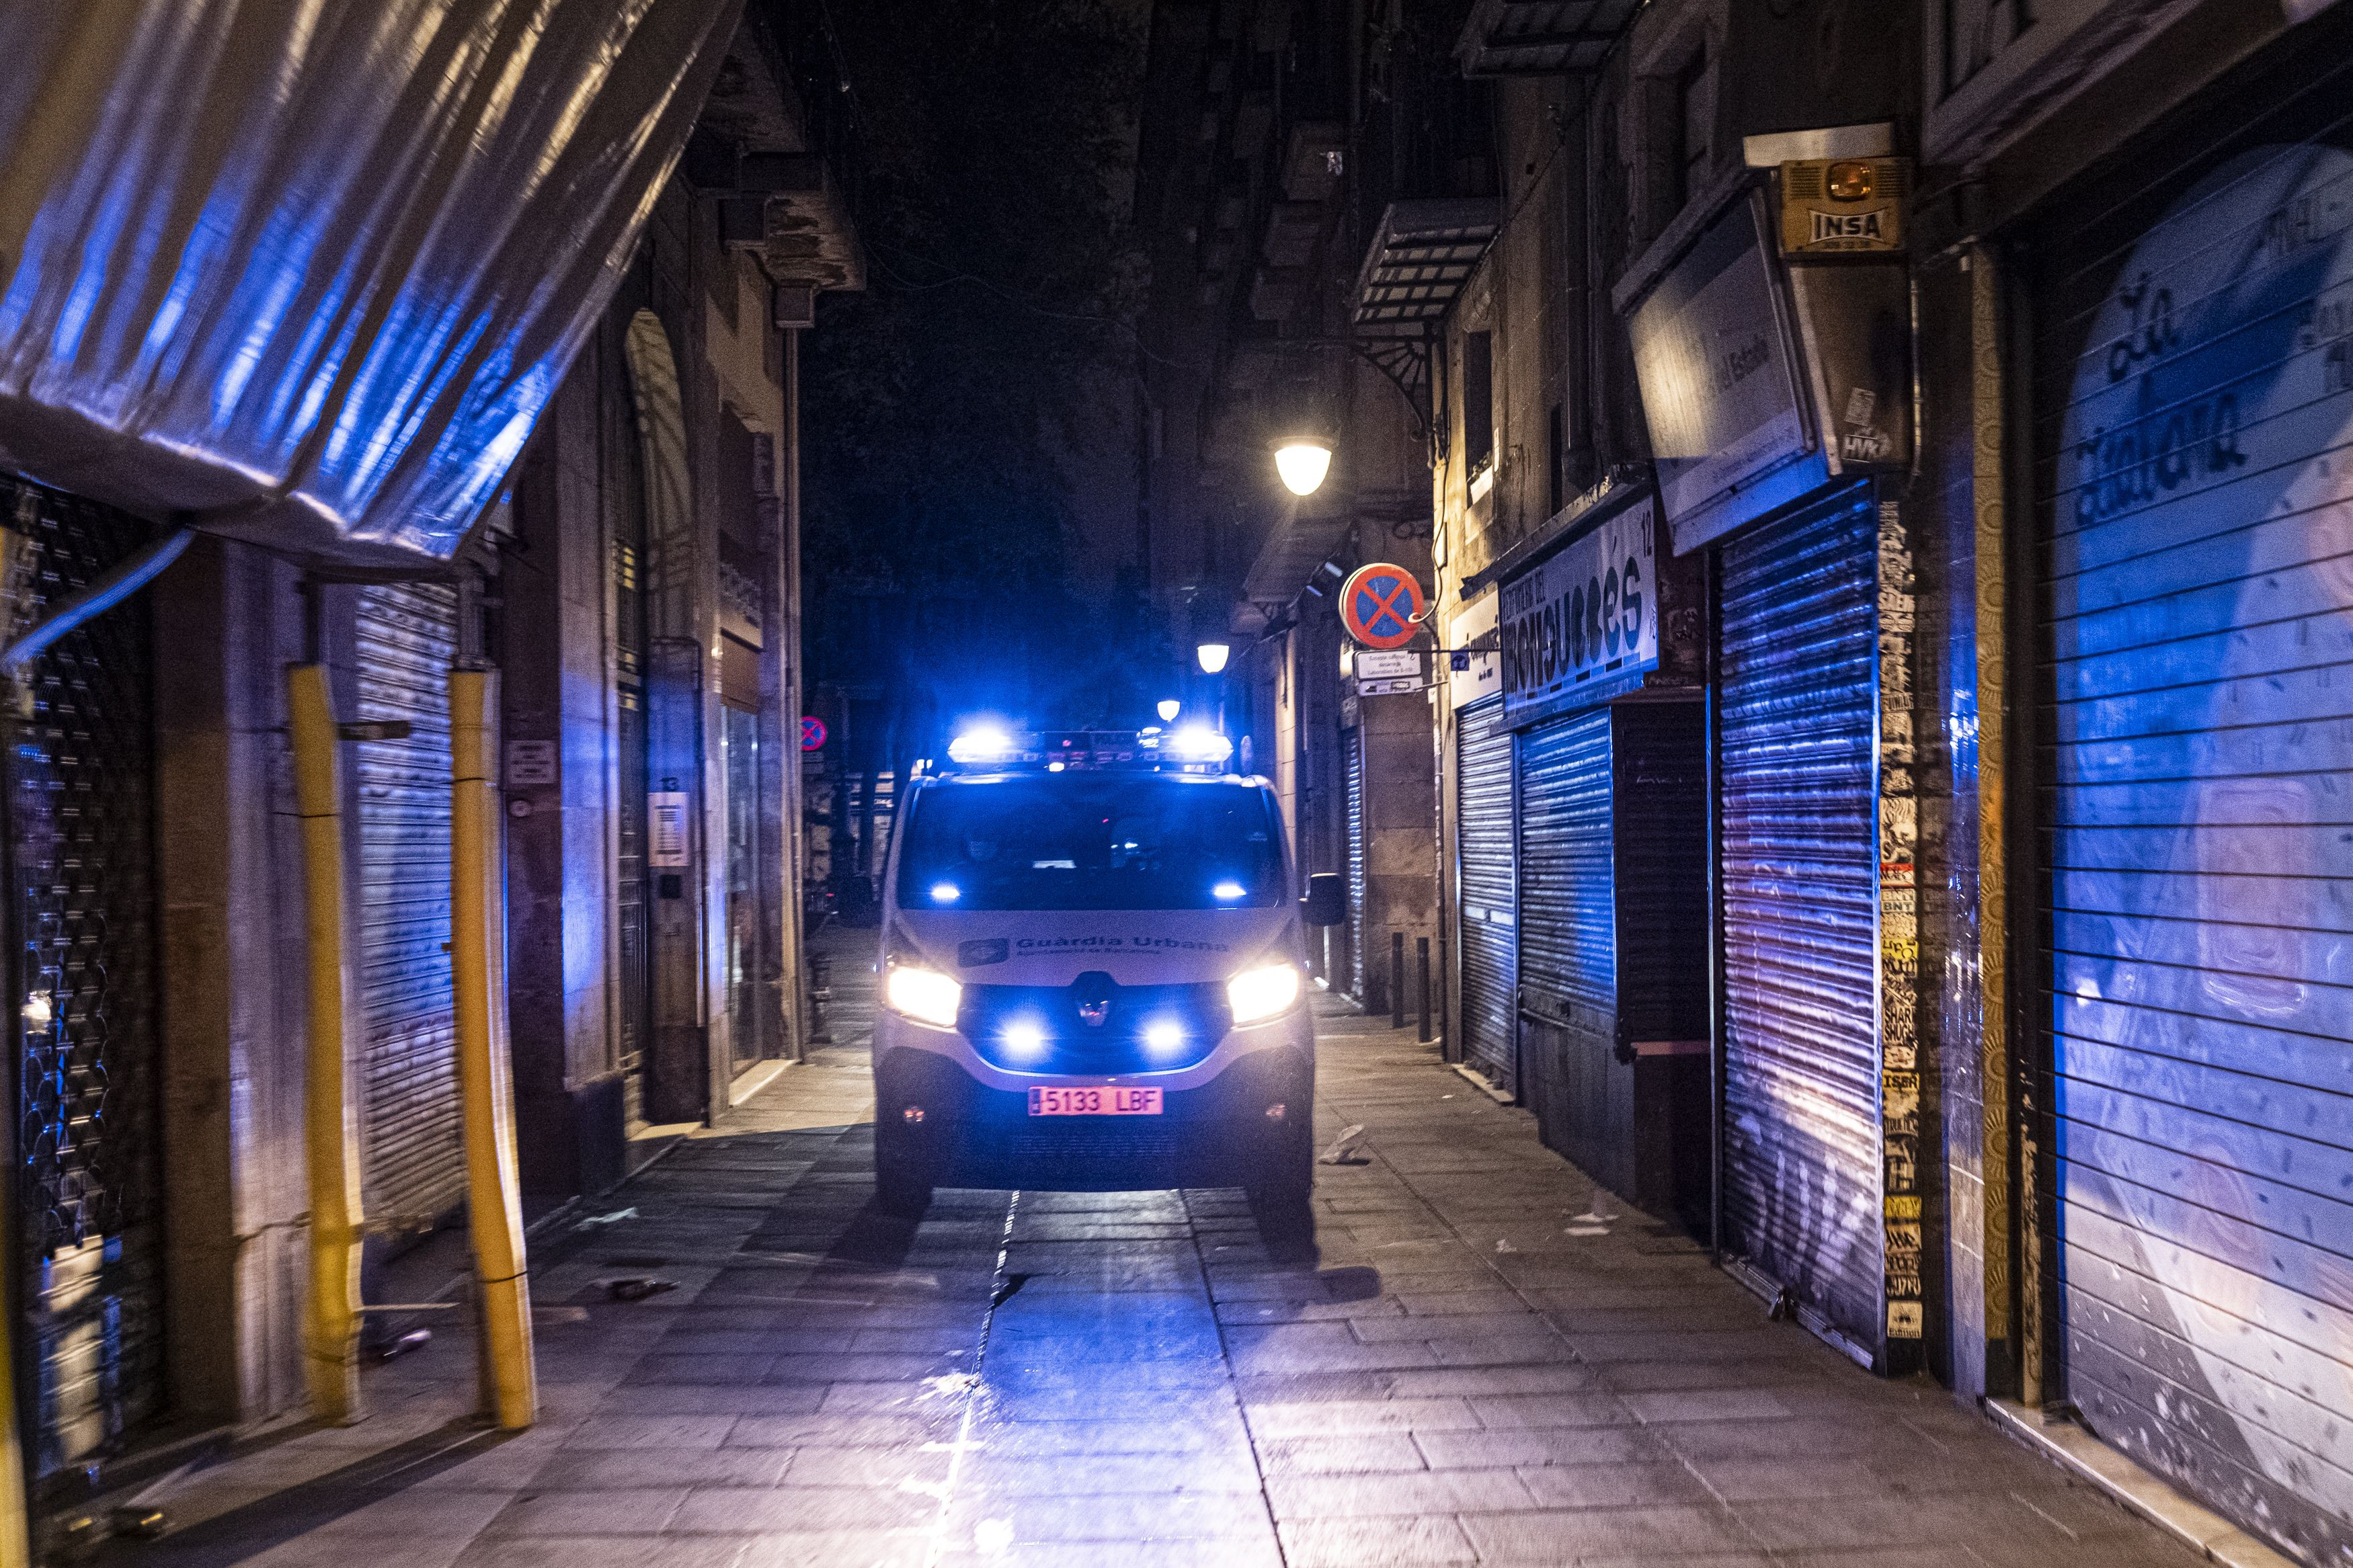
1485,878
1568,938
1800,873
415,1166
80,831
1359,964
2194,370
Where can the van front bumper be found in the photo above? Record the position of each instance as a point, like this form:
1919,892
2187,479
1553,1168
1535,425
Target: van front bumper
955,1131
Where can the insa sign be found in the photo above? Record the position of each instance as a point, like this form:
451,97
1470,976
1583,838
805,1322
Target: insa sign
1829,206
1586,619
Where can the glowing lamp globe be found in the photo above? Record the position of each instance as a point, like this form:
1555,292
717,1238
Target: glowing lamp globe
1303,463
1169,706
1212,656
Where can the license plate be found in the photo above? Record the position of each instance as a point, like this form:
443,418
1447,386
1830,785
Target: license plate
1094,1102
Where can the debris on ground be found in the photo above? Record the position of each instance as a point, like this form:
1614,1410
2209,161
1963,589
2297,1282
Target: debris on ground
638,1288
1342,1150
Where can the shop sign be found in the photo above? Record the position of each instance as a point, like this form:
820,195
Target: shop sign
1586,619
1476,665
1842,206
1719,381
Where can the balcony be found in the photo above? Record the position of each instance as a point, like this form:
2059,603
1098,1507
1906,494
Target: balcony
1540,38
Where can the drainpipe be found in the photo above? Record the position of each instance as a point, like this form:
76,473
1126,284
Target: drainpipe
485,1075
330,1142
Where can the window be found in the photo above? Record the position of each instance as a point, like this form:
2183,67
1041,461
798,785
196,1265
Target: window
1695,121
1478,402
1090,842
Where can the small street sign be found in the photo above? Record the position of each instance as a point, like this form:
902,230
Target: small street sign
1381,606
1389,666
813,732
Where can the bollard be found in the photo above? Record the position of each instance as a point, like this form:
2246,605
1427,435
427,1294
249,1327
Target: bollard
1396,980
1422,960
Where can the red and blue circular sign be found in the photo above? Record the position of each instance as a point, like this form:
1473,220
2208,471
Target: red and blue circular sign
1381,606
812,732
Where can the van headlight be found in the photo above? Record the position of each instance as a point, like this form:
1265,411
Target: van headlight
923,994
1256,993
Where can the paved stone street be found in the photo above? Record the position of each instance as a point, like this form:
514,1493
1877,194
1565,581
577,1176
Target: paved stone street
1481,1361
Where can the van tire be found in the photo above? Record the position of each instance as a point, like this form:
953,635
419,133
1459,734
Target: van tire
901,1187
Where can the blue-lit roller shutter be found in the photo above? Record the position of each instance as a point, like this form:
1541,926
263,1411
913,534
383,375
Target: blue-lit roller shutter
1352,764
1486,882
1568,939
2194,373
1799,694
413,1169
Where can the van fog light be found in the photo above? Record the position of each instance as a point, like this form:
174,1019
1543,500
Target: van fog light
1276,1112
912,1114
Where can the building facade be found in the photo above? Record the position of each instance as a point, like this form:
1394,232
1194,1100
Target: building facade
632,581
1885,496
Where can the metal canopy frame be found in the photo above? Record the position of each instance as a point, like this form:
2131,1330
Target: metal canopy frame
1541,37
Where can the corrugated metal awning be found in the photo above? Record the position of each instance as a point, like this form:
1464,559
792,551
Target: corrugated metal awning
1541,37
1419,258
307,272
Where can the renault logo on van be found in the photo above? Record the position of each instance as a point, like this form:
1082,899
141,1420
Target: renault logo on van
973,954
1091,991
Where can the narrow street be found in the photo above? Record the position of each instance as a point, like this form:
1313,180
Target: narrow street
1482,1359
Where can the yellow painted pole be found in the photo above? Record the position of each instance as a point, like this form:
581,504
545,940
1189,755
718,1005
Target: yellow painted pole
331,1324
15,1526
485,1076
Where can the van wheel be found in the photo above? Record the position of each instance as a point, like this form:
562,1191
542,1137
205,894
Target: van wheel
903,1178
899,1189
1282,1182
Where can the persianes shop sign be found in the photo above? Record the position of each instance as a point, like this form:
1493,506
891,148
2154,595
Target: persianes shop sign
1586,621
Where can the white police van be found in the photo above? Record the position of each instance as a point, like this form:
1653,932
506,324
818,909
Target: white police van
1092,974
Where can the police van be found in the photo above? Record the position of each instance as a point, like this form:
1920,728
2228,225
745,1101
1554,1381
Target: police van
1094,974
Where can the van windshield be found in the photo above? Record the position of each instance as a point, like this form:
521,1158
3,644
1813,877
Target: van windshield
1090,842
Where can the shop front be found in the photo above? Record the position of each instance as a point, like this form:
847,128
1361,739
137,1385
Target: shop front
1777,393
1608,920
2191,572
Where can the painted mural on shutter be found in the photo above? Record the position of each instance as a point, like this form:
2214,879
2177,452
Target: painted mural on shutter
413,1169
1485,878
2195,367
81,834
1800,889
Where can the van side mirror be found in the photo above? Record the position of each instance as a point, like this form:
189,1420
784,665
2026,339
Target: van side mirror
1326,903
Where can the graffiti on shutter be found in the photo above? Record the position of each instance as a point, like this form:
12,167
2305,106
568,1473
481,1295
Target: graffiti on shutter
1801,891
1487,888
414,1170
80,831
2196,368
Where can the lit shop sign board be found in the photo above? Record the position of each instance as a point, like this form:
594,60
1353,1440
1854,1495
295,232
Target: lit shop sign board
1763,380
1585,623
1841,205
1711,349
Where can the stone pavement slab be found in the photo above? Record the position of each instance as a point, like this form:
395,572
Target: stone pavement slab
1454,1369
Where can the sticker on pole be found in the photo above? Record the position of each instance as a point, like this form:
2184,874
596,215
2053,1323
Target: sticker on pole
812,732
1381,606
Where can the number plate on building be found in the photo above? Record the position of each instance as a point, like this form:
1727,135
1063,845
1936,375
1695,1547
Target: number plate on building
1094,1102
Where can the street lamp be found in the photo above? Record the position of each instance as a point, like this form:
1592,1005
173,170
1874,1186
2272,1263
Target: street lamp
1169,709
1213,655
1302,462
